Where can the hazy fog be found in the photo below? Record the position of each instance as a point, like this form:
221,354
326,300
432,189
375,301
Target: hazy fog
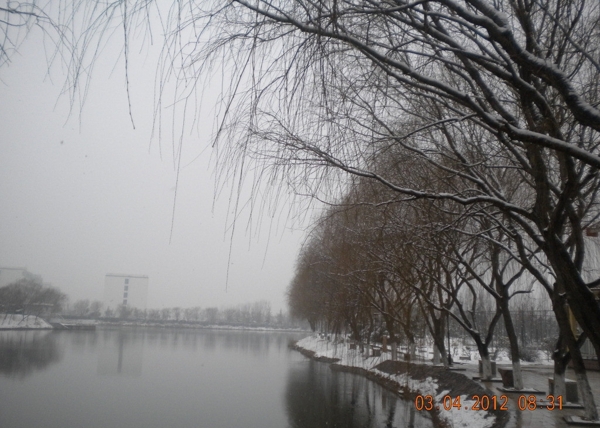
83,195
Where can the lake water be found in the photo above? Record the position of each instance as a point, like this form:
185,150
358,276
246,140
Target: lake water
134,377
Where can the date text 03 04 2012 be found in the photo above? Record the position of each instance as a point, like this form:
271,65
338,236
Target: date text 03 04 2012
486,402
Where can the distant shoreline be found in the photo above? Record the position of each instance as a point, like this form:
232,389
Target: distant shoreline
188,326
16,322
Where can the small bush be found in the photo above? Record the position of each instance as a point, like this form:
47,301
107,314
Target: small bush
529,354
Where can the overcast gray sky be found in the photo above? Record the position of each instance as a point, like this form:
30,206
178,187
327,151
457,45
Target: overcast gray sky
83,195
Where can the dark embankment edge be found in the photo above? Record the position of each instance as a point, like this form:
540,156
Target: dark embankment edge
455,383
310,354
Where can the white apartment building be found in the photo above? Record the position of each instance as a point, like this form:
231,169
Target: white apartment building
126,290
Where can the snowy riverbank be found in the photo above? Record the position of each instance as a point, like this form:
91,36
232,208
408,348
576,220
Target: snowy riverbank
199,326
18,322
410,380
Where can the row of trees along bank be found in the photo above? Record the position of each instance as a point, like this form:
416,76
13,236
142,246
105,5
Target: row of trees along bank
377,262
257,314
30,298
458,142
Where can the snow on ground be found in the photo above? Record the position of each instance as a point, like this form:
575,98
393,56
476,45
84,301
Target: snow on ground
16,321
459,418
353,358
347,357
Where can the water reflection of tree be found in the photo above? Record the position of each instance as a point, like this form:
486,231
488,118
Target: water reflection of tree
22,353
255,343
317,398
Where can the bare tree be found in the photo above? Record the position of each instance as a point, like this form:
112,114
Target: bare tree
81,307
96,308
476,89
28,297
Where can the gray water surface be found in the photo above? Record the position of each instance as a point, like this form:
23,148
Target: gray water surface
135,377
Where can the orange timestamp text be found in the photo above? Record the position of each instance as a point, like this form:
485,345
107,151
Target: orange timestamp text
488,402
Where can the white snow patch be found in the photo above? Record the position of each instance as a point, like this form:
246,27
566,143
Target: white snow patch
16,321
467,418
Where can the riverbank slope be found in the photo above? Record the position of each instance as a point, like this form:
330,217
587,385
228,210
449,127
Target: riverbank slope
20,322
410,381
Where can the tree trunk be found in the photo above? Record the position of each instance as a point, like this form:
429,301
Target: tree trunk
591,412
590,409
355,331
412,347
412,350
560,367
517,374
411,417
394,349
584,306
486,365
560,386
486,362
439,340
513,341
560,310
436,354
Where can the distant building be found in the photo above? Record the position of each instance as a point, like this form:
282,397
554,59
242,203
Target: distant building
8,275
126,290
